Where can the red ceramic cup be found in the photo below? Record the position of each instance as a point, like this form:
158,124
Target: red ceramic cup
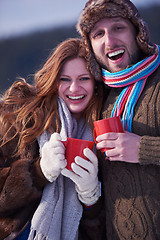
112,124
74,147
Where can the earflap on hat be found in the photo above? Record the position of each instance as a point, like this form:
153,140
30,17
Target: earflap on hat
91,61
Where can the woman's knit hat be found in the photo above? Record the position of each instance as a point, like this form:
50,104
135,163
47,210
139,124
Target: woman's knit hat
96,10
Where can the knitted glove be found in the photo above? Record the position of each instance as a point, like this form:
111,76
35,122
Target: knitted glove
84,175
53,157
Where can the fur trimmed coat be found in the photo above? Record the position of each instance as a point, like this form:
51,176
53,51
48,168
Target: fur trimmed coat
21,186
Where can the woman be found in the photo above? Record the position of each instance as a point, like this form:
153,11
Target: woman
34,120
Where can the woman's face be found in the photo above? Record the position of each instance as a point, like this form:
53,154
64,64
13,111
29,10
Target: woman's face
76,86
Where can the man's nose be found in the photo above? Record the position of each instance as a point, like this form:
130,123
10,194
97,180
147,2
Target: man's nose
109,39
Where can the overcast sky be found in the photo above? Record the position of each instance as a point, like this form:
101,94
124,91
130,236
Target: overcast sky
23,16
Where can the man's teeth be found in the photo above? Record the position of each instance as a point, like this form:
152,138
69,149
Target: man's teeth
113,54
76,97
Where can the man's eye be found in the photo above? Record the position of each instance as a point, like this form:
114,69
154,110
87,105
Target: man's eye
98,34
119,28
64,79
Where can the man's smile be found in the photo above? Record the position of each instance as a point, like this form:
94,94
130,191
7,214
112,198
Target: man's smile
114,55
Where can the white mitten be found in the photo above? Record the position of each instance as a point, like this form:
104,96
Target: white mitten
53,157
84,175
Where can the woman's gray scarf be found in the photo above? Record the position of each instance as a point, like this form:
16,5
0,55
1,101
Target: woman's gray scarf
59,212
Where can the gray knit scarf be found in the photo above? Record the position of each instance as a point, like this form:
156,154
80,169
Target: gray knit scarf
59,212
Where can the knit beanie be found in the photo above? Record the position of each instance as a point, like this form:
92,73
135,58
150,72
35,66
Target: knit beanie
96,10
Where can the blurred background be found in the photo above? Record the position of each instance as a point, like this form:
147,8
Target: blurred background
30,29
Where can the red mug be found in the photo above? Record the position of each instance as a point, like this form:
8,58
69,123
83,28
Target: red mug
112,124
74,147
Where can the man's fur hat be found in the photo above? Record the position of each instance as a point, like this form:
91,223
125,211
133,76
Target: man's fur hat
96,10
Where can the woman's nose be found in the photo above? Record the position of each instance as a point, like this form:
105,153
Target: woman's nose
74,87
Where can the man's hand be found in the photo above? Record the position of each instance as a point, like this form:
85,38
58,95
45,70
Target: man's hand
124,146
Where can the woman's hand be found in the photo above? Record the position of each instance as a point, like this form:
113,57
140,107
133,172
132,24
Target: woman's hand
124,146
84,175
53,157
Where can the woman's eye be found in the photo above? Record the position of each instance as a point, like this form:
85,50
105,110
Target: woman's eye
84,79
64,79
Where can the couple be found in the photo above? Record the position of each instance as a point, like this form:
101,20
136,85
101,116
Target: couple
116,48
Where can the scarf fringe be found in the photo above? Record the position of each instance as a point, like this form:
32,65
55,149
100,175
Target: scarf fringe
36,236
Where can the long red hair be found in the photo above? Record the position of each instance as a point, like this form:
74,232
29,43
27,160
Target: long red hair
30,109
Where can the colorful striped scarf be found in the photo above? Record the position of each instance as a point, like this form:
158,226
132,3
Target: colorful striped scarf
133,80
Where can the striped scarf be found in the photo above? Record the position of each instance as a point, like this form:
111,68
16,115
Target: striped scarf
132,80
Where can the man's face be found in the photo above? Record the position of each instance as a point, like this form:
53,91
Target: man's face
114,43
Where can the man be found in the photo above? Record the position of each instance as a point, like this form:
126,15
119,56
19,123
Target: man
119,50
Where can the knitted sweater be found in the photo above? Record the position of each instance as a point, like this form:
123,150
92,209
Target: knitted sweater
131,192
